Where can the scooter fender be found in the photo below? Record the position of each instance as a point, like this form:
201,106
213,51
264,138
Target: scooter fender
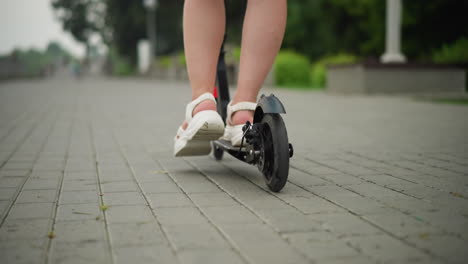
268,105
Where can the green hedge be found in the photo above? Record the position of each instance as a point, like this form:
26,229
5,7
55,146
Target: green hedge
291,69
120,65
181,60
457,52
318,72
236,52
165,61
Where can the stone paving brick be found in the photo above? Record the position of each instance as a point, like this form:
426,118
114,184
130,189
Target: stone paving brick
18,165
79,185
438,172
343,179
4,205
80,165
19,157
375,191
419,191
160,187
136,234
46,175
384,180
90,252
452,159
49,166
115,177
80,175
144,254
436,244
7,194
308,179
323,249
226,256
261,244
129,214
36,243
89,211
238,187
179,216
123,198
39,184
345,224
289,220
198,186
152,176
363,206
119,186
313,205
14,173
169,200
17,229
262,202
115,171
313,167
37,196
386,249
333,193
83,231
212,199
31,211
11,182
446,220
311,237
79,197
410,205
22,254
235,214
449,200
353,259
195,236
348,168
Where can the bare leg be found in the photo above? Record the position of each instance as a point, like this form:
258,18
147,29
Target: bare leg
204,25
263,31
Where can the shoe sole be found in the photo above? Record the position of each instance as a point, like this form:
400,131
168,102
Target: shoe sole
210,129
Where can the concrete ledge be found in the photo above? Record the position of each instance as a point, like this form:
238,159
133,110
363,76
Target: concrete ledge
376,78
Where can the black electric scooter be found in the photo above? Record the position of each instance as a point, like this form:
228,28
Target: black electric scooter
265,142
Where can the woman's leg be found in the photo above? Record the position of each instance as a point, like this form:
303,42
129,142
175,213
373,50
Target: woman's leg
263,31
204,25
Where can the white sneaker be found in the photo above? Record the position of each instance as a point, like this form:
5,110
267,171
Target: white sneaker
202,128
234,133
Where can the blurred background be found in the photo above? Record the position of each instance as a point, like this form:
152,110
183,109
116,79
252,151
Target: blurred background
43,38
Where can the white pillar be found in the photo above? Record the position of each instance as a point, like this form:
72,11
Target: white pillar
393,33
151,6
144,57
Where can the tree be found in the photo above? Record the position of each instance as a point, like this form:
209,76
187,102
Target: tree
315,28
126,22
74,17
428,25
321,27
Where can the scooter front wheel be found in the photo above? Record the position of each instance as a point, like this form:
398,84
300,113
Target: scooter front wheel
274,154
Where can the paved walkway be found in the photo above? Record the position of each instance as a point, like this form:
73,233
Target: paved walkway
86,176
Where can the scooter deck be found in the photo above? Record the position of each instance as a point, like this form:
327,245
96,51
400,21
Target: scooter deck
227,146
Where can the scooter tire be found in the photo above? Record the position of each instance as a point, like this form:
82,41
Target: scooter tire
274,152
